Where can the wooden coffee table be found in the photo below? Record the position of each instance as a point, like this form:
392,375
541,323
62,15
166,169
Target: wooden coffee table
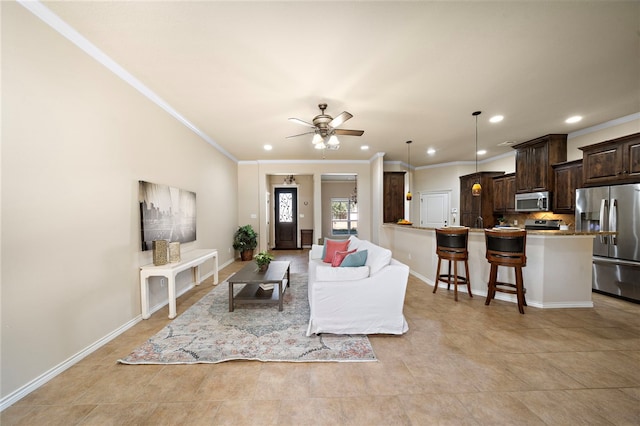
251,277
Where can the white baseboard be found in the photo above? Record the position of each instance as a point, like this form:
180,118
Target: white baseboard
421,277
23,391
20,393
513,298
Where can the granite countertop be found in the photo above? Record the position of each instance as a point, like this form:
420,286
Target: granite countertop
568,232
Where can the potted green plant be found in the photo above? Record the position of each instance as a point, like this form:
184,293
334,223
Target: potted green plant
263,259
245,240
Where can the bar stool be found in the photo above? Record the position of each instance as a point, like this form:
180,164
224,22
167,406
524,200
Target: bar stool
506,248
451,245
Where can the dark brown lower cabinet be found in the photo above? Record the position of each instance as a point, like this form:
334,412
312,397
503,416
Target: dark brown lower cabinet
306,237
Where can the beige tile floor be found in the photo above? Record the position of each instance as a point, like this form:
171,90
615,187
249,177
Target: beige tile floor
460,363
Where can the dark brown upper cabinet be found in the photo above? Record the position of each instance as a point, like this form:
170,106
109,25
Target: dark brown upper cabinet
534,159
504,193
568,178
612,162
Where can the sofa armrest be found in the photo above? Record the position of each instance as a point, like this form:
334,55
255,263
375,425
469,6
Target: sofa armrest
316,251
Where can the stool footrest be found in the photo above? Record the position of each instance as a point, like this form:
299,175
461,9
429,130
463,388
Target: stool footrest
505,290
450,279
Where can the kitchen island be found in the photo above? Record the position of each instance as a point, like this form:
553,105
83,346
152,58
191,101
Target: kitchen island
557,275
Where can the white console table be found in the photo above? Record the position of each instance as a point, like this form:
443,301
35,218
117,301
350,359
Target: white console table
192,259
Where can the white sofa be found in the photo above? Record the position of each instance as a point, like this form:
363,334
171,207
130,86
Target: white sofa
357,300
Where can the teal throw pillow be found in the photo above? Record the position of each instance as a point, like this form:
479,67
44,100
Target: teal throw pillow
356,259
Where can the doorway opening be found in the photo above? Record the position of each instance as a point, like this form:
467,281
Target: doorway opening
339,205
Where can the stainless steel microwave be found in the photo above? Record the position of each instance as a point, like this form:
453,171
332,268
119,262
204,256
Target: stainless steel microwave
533,202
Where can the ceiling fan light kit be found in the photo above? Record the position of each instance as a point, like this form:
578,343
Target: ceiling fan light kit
324,129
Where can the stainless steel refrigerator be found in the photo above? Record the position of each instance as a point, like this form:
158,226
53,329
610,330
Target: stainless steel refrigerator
616,258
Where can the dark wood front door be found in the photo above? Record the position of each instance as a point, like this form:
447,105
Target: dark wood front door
286,218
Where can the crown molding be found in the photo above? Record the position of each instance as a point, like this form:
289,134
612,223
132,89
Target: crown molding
55,22
453,163
376,156
257,162
605,125
401,164
305,162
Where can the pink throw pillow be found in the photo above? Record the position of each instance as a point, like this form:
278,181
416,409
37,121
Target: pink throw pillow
332,247
339,257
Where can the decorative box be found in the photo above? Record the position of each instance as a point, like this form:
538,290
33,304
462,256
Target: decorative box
174,252
160,252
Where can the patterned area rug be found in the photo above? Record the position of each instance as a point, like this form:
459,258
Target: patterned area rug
208,333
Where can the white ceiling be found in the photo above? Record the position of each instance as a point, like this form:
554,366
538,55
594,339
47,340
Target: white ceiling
405,70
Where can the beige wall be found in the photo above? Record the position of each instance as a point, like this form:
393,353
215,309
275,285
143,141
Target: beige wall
504,163
376,189
75,141
249,211
439,179
606,131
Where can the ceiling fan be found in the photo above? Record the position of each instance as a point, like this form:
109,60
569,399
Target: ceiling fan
325,129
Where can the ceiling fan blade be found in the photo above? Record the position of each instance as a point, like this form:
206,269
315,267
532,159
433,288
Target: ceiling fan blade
344,116
348,132
298,121
300,134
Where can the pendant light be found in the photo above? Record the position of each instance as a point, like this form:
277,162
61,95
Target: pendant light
409,195
476,189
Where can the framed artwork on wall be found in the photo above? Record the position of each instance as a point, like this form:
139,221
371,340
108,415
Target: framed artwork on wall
166,213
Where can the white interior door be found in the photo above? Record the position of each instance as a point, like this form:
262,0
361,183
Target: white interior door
434,209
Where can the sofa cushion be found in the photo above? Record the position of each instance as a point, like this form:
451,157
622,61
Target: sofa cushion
328,273
359,258
377,258
354,242
332,246
339,256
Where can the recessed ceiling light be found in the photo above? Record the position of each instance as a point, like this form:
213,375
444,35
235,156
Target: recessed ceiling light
364,147
431,151
496,118
482,152
506,143
573,119
268,147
